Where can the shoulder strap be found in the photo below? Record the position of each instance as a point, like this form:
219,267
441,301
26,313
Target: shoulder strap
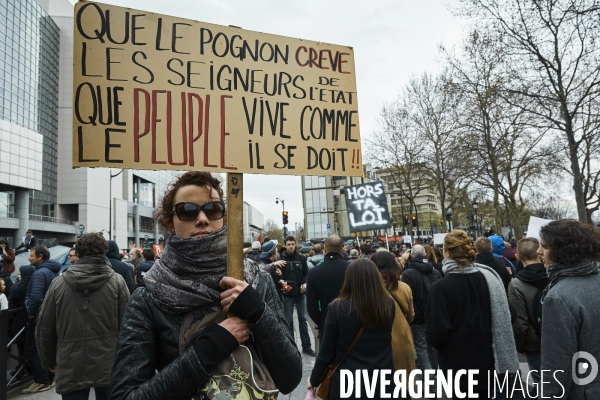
395,299
360,332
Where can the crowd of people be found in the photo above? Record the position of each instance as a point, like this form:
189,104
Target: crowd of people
177,327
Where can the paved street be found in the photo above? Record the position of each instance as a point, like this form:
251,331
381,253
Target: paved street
299,394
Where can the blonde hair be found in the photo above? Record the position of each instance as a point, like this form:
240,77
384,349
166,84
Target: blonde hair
430,254
460,247
404,259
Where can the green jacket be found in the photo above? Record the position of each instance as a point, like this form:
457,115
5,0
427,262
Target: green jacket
78,325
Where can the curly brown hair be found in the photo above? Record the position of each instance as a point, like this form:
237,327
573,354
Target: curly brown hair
570,241
460,247
164,213
91,244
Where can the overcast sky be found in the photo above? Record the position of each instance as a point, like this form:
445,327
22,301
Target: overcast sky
392,40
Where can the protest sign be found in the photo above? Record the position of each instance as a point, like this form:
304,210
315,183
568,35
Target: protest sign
367,208
157,92
438,238
535,224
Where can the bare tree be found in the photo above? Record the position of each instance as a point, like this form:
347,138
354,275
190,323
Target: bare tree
418,144
397,149
549,206
432,103
554,63
503,140
273,231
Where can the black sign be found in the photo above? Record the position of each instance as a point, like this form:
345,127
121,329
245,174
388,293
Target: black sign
367,207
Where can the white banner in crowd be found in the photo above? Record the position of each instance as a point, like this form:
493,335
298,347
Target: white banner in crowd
438,238
535,224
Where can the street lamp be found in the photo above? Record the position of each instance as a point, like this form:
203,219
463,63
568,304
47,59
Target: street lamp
475,206
449,219
110,205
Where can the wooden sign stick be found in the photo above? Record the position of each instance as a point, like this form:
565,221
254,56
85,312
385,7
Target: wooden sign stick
235,225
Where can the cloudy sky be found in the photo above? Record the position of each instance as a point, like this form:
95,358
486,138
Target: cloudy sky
392,39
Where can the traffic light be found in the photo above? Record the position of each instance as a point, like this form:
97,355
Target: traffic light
285,217
414,220
406,220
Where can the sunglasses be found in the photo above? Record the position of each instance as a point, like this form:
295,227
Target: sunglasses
187,211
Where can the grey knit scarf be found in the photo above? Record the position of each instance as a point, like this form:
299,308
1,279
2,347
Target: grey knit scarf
503,341
556,272
187,276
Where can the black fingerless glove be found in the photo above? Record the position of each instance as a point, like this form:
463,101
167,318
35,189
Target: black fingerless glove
214,345
248,305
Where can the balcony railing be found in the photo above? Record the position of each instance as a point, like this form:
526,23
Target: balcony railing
51,219
8,215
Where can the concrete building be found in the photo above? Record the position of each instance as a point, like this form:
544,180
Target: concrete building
418,198
38,188
254,222
325,205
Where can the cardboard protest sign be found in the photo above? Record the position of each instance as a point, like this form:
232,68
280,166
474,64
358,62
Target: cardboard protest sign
438,238
367,208
157,92
535,225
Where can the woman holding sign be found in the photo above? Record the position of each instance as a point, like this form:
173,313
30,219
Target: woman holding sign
176,339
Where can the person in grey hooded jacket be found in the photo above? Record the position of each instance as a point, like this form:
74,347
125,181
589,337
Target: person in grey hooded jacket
571,310
79,322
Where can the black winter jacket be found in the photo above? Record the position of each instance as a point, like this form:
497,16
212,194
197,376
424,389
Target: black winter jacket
148,364
119,266
40,282
492,262
459,326
254,255
142,269
372,350
420,275
323,285
294,271
524,295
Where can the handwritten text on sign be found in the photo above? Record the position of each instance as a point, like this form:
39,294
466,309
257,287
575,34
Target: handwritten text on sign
158,92
367,207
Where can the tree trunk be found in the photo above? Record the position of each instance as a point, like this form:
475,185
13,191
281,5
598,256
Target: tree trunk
575,168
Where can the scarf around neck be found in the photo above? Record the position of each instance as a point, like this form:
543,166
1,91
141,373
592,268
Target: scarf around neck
557,272
503,341
187,276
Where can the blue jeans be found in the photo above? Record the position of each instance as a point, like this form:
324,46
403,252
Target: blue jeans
300,302
426,356
534,359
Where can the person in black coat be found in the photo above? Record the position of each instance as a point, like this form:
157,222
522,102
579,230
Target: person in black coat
294,272
420,274
459,317
363,302
148,256
324,281
17,301
484,256
119,266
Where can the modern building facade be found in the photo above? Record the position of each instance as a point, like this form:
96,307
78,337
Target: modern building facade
38,188
254,222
